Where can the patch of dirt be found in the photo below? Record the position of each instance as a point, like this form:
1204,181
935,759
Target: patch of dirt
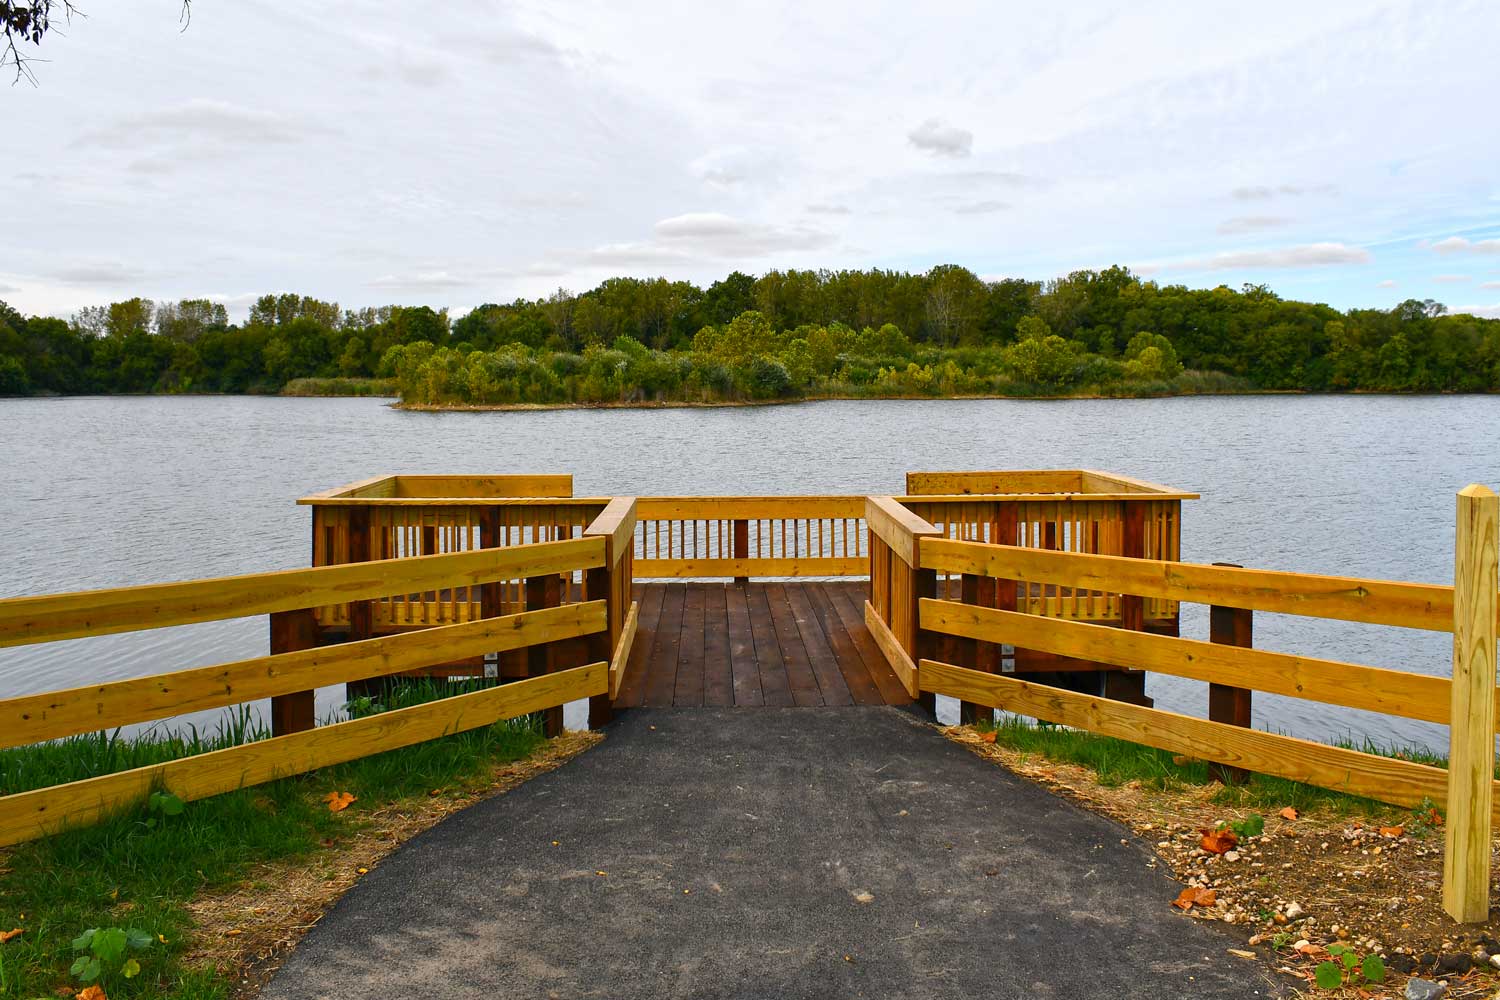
247,930
1372,883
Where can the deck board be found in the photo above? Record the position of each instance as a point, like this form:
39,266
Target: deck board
776,644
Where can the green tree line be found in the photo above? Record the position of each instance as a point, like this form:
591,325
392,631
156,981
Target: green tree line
783,334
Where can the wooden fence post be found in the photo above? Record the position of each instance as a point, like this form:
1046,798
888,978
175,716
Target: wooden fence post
290,631
1229,627
923,642
978,590
742,546
1130,685
1471,730
543,592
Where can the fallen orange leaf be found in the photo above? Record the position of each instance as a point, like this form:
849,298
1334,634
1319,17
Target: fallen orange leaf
1289,813
988,737
7,935
95,992
1191,897
339,801
1217,841
1392,831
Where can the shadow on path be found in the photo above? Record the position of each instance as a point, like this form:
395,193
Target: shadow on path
736,846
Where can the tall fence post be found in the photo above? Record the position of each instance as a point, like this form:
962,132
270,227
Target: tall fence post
1471,728
742,546
611,583
290,631
981,655
544,592
1130,685
1231,705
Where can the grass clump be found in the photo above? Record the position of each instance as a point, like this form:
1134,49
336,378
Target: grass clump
1116,762
136,872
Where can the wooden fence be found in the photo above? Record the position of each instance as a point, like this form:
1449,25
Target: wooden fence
970,630
547,633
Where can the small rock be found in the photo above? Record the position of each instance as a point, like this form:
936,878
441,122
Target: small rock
1401,963
1293,911
1495,961
1231,855
863,897
1424,989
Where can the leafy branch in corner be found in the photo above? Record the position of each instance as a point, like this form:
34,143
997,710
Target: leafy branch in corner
27,22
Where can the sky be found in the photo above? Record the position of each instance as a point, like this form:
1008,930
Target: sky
469,152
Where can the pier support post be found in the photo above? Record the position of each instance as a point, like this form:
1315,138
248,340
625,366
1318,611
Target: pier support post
543,592
985,656
599,584
1231,705
1471,727
742,546
293,712
1130,685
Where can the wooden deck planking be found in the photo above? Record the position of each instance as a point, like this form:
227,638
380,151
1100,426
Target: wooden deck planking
777,644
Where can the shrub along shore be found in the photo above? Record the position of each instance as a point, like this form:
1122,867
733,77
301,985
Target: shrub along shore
782,335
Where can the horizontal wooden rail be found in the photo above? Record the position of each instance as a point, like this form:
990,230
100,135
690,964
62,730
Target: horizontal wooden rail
800,566
52,714
901,664
27,815
621,656
616,523
1385,779
897,527
1378,602
748,508
126,609
1374,689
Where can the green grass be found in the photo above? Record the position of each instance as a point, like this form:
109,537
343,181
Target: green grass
1117,762
339,387
124,873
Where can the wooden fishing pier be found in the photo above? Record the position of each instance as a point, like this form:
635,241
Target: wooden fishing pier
1049,594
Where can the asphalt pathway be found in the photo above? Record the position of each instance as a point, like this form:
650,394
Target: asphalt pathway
848,852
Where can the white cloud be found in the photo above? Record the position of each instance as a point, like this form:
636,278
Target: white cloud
736,166
1387,283
1265,193
198,122
113,273
980,208
725,236
1251,224
1308,255
1489,284
1457,244
933,137
821,208
1484,312
1450,279
7,289
420,281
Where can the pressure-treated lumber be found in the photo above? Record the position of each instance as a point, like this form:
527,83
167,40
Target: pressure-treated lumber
1471,745
897,527
125,609
1379,602
901,664
448,488
1398,782
621,656
27,815
774,508
800,566
1393,692
616,523
52,714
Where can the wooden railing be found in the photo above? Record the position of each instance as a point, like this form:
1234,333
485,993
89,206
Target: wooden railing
974,627
540,634
768,536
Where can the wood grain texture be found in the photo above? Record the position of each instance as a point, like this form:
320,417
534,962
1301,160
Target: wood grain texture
1392,692
1471,743
647,569
773,508
1379,602
1398,782
897,527
53,714
26,620
621,659
615,523
900,663
28,815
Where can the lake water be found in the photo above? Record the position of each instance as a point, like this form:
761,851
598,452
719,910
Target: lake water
113,491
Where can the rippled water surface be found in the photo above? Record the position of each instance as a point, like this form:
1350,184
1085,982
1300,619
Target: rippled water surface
105,492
